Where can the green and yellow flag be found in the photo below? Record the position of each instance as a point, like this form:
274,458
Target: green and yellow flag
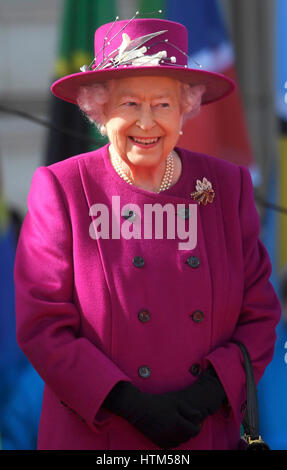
79,20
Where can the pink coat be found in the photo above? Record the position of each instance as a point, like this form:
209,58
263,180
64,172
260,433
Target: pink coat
78,299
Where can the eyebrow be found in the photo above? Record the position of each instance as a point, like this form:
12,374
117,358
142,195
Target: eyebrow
127,93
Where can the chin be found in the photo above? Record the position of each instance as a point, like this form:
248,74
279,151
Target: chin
148,158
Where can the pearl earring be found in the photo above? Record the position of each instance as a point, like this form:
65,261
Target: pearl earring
103,130
180,132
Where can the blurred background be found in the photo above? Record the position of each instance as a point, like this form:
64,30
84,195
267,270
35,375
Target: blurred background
41,41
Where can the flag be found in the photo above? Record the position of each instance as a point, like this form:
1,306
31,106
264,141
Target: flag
79,20
272,389
20,399
220,128
281,110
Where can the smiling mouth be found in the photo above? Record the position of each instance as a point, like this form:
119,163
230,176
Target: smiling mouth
145,141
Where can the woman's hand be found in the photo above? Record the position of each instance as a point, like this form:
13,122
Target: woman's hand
206,395
166,419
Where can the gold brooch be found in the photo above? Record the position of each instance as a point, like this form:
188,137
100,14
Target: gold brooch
204,192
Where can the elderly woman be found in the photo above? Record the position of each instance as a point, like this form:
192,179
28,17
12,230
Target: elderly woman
133,324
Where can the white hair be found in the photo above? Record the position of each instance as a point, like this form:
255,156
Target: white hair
191,98
92,98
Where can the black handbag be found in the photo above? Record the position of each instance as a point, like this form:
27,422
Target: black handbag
250,421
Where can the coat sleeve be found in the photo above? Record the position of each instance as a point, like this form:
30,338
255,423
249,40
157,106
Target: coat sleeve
260,309
47,320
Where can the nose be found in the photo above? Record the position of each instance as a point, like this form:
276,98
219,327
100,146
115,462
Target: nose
145,119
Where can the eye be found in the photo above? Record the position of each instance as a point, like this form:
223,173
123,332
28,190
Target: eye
130,103
163,105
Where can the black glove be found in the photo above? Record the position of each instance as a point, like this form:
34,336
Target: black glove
206,395
165,419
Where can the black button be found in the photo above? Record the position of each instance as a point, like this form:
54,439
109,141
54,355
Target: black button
138,261
144,316
183,213
144,372
129,214
197,316
195,369
193,261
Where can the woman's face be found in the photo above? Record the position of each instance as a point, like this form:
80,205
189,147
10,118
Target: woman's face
143,118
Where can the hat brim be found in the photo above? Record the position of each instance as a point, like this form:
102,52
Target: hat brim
218,86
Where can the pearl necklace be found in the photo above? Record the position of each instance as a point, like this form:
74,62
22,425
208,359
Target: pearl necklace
166,180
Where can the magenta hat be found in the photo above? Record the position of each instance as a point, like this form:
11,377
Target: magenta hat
139,47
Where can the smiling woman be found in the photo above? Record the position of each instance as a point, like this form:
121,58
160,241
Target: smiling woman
135,336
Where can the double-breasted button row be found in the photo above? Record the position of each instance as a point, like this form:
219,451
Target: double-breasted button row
192,261
197,316
144,315
131,215
145,371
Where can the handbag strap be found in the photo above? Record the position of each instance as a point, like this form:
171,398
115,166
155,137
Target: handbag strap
250,420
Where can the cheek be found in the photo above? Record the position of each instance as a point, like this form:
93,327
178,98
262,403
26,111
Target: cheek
173,125
117,132
114,128
172,119
119,124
